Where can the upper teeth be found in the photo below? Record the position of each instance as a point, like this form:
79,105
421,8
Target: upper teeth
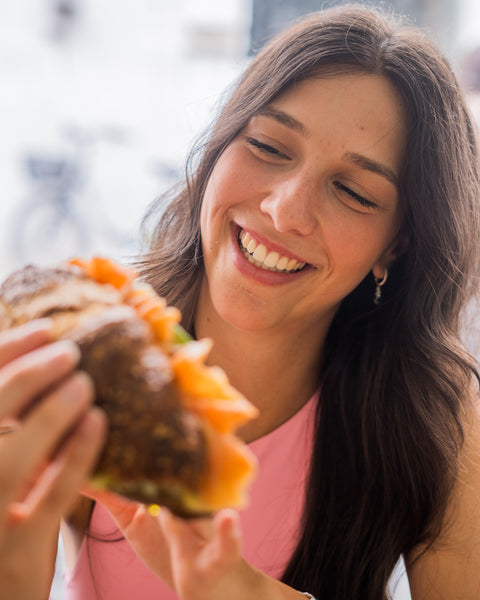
258,254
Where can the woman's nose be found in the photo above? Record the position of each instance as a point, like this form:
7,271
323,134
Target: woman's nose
291,205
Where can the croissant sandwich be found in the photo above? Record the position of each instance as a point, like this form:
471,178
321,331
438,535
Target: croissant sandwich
172,419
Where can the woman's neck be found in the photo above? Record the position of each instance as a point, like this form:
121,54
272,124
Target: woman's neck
276,369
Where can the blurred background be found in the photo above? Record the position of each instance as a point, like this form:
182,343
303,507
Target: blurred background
102,99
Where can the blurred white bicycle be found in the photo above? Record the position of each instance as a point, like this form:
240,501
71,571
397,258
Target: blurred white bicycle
57,218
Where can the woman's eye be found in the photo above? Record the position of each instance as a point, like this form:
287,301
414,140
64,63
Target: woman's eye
266,148
360,199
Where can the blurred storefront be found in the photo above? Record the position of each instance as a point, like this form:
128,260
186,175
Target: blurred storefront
439,17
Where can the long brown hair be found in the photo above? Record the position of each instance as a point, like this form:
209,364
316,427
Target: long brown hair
388,428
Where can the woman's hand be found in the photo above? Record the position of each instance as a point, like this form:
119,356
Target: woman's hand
143,530
206,560
200,559
54,441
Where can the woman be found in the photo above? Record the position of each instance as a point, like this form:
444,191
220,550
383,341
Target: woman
327,242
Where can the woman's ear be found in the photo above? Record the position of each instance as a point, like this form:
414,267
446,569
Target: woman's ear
397,247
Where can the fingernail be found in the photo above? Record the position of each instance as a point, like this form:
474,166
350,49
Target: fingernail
43,323
43,326
20,332
17,513
93,422
81,383
66,348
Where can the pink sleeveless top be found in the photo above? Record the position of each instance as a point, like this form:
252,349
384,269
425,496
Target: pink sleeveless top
110,570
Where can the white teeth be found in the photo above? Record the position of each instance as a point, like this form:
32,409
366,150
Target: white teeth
252,244
245,237
272,259
282,263
258,255
292,264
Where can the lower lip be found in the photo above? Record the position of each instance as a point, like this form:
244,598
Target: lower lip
260,275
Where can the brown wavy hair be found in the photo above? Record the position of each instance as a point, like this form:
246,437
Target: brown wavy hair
388,429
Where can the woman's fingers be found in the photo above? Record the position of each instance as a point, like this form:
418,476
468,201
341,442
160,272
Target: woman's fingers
204,553
19,340
58,485
14,343
57,412
192,533
25,378
121,509
211,543
44,428
226,544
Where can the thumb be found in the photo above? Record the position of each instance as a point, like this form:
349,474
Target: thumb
227,540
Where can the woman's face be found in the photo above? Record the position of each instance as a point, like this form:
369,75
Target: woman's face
304,203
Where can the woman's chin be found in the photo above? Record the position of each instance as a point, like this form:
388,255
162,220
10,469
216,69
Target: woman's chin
244,312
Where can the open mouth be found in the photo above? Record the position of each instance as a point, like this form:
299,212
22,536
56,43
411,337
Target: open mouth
263,258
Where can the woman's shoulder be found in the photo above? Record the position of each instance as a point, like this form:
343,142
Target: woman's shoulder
448,568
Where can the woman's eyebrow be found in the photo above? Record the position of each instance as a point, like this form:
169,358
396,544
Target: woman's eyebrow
373,166
285,119
359,160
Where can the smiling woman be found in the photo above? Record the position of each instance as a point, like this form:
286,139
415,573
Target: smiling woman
345,152
322,158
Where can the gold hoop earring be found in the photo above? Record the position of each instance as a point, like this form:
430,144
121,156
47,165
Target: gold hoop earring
378,289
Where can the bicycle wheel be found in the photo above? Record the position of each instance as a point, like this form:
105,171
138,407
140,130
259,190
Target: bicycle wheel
44,234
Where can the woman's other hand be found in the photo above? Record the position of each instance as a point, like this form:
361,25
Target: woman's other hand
50,438
206,560
200,559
